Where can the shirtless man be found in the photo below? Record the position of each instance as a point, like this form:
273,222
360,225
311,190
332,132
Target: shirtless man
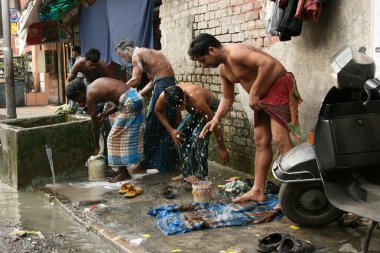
272,96
159,148
201,105
92,67
125,141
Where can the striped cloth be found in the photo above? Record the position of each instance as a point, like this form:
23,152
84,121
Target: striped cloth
125,141
282,103
159,148
173,219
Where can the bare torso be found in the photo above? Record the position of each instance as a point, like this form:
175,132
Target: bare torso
196,97
152,62
240,72
92,75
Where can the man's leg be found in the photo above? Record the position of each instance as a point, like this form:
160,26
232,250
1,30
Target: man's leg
263,159
138,169
281,137
121,175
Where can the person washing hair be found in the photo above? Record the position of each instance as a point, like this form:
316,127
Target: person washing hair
201,105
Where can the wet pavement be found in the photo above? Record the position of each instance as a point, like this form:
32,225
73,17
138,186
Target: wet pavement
99,204
58,232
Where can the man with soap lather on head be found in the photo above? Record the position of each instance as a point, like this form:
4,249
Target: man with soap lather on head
159,149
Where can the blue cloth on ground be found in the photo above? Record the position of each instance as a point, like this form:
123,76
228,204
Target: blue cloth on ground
173,219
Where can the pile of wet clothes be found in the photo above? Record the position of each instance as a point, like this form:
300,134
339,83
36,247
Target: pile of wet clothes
234,187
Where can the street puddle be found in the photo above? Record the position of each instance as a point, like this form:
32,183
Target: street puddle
33,213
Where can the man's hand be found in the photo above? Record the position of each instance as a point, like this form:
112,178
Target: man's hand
209,127
96,151
101,118
254,102
224,156
176,136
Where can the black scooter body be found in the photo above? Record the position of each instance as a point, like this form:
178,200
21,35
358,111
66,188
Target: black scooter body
347,148
344,161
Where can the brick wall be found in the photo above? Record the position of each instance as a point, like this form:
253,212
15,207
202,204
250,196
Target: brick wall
229,21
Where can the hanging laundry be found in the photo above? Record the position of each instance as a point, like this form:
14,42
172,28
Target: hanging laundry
290,26
308,9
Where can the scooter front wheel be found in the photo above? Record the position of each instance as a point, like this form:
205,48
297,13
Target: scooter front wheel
306,204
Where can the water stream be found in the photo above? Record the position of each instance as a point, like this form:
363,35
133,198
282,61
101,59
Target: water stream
49,154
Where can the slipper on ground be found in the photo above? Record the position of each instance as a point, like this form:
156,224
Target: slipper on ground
167,192
271,242
124,188
133,192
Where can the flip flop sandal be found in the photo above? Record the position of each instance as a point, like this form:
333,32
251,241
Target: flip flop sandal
291,245
167,192
133,192
124,188
271,188
271,242
188,187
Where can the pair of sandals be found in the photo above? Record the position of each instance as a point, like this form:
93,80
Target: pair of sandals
130,190
284,243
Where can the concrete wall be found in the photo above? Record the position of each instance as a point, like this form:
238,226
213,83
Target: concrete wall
307,56
23,155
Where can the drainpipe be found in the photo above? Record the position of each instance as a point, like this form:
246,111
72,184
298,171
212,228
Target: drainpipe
10,95
61,82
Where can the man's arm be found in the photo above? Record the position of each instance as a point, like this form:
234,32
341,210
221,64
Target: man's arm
91,106
160,113
224,107
136,73
206,113
147,89
74,72
108,111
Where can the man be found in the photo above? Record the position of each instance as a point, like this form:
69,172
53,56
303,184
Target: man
76,56
201,105
125,141
272,93
159,148
92,67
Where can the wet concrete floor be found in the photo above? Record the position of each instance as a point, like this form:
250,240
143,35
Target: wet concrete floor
127,218
30,211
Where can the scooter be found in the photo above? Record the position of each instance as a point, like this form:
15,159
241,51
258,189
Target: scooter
339,169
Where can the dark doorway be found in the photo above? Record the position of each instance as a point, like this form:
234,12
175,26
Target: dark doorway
156,25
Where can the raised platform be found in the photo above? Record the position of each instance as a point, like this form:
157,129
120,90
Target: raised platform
23,155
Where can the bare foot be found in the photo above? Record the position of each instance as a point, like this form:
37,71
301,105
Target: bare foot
178,178
192,179
138,169
119,177
254,194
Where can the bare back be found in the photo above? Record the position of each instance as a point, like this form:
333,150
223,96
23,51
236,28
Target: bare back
243,63
105,89
152,62
197,98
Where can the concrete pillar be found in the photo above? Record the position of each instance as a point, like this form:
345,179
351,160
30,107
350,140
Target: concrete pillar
10,95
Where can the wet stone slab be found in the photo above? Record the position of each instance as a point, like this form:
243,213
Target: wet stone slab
100,203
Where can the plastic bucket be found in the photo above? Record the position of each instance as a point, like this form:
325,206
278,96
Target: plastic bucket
202,191
96,167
